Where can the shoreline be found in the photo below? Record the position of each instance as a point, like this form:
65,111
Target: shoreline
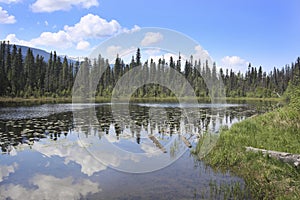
146,99
266,177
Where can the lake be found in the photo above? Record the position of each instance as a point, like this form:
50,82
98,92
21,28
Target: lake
113,151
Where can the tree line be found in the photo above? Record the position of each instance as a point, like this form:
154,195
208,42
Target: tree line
26,76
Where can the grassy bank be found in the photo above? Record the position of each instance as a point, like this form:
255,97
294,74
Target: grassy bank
266,178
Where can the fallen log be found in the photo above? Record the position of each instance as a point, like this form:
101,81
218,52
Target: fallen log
186,142
157,143
283,156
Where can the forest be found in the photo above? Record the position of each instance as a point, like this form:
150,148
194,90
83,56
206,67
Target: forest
32,76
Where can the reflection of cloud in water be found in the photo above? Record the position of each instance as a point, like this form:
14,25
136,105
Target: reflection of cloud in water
12,151
103,153
6,170
118,158
50,187
112,138
71,151
149,148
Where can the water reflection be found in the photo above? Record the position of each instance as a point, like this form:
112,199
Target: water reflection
50,187
42,155
164,123
5,170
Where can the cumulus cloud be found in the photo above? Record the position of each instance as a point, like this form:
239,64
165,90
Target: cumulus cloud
201,54
124,52
234,62
113,50
60,39
5,18
83,45
12,38
50,187
77,36
134,29
147,54
165,56
92,26
63,5
89,27
151,38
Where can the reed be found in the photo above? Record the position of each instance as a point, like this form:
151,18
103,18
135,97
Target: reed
265,177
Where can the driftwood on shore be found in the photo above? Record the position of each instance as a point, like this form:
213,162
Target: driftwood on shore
283,156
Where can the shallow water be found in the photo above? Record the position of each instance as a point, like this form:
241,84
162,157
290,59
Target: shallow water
104,151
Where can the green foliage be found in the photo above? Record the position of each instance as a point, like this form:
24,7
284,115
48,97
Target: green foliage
38,78
292,94
266,178
28,76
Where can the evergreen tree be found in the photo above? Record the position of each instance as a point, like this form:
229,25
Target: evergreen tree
30,72
138,57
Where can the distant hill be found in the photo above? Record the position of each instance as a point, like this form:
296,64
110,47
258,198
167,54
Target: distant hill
40,52
35,52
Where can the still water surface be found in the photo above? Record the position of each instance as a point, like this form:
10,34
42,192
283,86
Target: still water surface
65,151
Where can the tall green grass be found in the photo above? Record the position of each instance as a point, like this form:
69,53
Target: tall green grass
265,177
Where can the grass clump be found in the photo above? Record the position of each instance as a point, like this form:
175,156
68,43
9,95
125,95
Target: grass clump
265,177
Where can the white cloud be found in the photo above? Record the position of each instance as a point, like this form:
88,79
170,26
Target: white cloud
124,53
12,38
157,54
147,54
46,23
134,29
165,56
60,39
234,62
50,187
5,18
151,38
113,50
10,1
64,5
89,27
83,45
92,26
201,54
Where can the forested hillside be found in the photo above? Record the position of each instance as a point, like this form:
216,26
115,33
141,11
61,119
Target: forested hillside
29,75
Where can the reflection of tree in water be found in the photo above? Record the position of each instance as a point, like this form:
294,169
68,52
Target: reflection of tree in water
162,122
29,131
174,148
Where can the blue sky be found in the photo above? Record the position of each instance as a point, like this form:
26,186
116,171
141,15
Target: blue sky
234,32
